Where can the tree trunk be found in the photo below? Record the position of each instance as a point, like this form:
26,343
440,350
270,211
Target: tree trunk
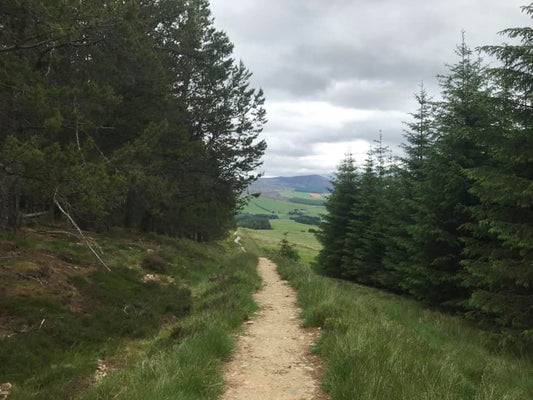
13,210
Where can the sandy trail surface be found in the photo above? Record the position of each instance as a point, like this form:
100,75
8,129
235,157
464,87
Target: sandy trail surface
272,359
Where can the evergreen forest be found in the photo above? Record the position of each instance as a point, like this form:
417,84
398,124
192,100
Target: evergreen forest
131,138
124,113
450,223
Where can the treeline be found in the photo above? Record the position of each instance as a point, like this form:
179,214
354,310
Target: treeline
450,223
309,202
255,221
306,219
129,113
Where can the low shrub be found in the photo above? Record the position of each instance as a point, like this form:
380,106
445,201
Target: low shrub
155,263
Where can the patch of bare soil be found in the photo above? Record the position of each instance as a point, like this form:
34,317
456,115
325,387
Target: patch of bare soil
272,359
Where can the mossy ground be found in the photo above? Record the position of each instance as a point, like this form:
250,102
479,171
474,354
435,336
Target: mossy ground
63,315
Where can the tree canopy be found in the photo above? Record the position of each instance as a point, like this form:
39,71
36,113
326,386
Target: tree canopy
126,113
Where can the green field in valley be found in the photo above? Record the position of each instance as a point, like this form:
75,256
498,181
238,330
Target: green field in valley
264,205
298,234
305,243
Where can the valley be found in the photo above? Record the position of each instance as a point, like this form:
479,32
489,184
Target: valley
285,199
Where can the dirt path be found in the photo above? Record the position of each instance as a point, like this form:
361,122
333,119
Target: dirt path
272,359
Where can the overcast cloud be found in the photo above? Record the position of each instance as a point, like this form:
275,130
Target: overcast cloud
336,72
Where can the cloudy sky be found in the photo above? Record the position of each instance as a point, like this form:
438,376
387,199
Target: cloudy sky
336,72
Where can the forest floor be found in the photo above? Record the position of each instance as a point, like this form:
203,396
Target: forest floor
272,359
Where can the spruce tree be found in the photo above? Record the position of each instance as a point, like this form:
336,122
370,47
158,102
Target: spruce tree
398,215
335,223
500,255
461,118
404,193
420,136
366,235
361,257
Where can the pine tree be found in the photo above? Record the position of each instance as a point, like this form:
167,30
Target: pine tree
138,109
500,255
461,118
361,256
404,193
420,137
366,235
335,223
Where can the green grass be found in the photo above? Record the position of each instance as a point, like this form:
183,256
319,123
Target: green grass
294,197
264,205
184,361
380,346
293,193
204,295
289,225
305,243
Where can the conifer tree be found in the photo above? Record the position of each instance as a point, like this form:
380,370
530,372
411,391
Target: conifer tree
500,255
435,275
361,260
452,224
335,223
366,235
395,215
130,113
420,136
404,192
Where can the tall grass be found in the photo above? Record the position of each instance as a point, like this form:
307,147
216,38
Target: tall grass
381,346
184,361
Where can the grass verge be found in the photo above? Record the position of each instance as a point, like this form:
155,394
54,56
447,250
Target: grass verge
157,326
184,361
380,346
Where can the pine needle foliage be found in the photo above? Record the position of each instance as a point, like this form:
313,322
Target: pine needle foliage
451,223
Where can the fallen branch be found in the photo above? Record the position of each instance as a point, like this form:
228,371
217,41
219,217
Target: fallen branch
34,215
52,233
31,277
66,214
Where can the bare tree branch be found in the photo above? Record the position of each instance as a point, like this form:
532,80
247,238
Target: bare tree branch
66,214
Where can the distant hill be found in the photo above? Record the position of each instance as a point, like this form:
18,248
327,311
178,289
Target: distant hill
305,183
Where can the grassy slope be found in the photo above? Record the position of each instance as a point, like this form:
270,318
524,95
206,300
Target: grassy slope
381,346
301,195
164,338
293,193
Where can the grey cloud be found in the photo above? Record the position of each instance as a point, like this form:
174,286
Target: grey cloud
360,54
298,166
342,61
283,144
307,45
366,95
297,82
290,142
